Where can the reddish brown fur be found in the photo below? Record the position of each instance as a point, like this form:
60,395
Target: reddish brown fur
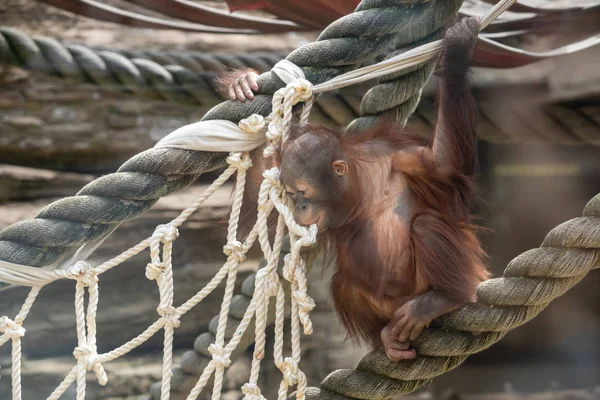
439,249
391,250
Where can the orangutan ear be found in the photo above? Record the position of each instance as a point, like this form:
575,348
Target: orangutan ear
340,167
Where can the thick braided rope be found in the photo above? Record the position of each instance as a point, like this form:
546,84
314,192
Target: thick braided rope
187,77
160,269
395,95
272,196
398,94
64,226
530,282
174,76
202,62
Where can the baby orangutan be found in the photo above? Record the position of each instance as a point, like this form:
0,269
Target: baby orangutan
396,209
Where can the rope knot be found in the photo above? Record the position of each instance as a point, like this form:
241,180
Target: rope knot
170,315
219,356
235,250
302,90
89,357
271,282
305,305
269,151
262,273
154,271
253,124
12,329
291,373
309,236
166,233
240,161
83,273
274,133
272,178
289,268
252,392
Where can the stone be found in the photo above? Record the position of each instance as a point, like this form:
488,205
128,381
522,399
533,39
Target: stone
238,374
183,382
194,363
248,285
239,305
232,324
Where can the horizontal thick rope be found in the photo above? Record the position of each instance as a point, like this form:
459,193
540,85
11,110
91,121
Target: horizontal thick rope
202,63
187,77
173,76
223,135
530,282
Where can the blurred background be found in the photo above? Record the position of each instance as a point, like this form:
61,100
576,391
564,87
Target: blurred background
539,155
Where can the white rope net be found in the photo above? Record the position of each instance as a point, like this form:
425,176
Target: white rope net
268,285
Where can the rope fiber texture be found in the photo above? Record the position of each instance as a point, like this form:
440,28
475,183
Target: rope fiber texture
182,77
60,229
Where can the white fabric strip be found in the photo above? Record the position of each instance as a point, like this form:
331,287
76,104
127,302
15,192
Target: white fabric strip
424,53
213,135
225,136
16,274
287,71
